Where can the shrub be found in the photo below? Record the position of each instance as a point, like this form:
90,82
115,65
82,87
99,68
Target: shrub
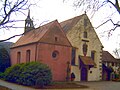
12,73
29,74
1,75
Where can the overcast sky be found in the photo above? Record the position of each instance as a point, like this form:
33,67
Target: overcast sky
49,10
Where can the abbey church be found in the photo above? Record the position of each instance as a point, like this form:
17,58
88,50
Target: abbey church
71,46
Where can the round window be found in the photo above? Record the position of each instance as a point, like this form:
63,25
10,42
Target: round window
55,54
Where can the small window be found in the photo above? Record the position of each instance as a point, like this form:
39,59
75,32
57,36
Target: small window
56,39
18,57
85,34
55,54
112,63
85,22
93,55
28,52
73,56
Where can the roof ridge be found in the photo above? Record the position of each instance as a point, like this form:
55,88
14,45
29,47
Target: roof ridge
73,18
35,34
68,24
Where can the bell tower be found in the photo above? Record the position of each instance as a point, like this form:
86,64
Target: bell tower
28,23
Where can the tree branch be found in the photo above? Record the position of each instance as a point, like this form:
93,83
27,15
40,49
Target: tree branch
11,37
115,24
16,7
116,5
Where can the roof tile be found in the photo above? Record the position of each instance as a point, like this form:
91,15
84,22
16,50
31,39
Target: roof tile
106,56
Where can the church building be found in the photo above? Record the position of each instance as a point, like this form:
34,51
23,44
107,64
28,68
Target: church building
86,61
47,44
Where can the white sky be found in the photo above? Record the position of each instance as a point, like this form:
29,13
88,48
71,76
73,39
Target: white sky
49,10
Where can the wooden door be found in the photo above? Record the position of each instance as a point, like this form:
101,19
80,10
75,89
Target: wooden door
84,74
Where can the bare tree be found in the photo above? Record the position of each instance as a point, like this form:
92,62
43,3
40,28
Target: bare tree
8,10
95,5
92,6
116,52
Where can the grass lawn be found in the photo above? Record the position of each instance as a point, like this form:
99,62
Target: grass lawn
63,85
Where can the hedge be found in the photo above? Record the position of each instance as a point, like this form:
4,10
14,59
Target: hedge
30,74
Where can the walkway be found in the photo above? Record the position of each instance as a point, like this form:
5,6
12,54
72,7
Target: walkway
102,85
98,85
20,87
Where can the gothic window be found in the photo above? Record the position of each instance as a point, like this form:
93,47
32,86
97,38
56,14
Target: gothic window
28,52
85,34
73,56
85,47
93,55
18,57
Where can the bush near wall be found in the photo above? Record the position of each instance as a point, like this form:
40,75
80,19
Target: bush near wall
30,74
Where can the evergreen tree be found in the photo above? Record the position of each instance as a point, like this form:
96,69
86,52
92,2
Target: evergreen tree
4,59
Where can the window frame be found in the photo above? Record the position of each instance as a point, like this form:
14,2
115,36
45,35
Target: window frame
73,56
56,53
18,57
28,55
85,35
93,55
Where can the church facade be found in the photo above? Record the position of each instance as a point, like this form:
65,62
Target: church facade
86,61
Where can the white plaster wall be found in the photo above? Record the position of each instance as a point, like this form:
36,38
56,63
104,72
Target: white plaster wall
75,36
76,71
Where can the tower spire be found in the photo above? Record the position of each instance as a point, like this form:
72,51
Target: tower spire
28,13
28,23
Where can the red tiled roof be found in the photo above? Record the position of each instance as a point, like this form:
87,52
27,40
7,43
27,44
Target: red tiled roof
68,24
87,60
107,57
37,35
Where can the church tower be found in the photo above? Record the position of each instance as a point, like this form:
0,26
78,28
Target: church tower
28,23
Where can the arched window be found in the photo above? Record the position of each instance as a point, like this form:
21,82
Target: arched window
28,52
18,57
85,46
85,34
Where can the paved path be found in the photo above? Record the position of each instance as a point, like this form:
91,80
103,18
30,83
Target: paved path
15,86
20,87
98,85
102,85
